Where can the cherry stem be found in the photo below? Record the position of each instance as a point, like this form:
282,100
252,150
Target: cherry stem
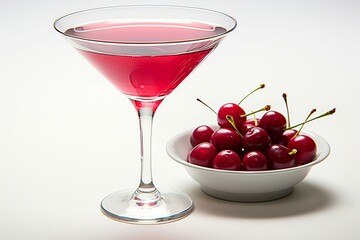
292,152
287,109
306,119
255,120
206,105
312,119
266,108
232,122
260,87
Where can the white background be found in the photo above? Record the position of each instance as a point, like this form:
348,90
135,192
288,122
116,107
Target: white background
68,138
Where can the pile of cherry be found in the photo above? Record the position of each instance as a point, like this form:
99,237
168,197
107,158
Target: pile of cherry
252,144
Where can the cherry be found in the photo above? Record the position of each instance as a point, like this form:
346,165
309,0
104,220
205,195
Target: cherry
233,110
290,133
226,138
286,136
274,123
280,157
201,134
254,161
254,121
305,147
256,138
248,123
245,128
227,160
202,154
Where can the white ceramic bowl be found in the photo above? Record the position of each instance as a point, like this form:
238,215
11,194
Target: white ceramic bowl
244,186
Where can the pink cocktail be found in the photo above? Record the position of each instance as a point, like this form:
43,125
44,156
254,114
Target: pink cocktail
145,52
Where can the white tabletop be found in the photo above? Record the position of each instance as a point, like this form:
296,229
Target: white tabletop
68,138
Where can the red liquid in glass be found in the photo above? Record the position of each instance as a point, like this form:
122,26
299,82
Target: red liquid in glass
148,70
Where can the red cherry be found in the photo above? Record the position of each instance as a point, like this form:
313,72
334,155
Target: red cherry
230,109
226,139
274,123
245,128
234,110
256,138
201,134
305,147
286,136
289,133
280,157
254,122
227,160
254,161
202,154
250,123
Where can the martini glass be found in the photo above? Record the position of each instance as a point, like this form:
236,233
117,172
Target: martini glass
145,52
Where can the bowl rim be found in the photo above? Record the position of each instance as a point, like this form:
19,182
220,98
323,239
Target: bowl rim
323,151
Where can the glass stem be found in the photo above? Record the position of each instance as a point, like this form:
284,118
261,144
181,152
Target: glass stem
146,192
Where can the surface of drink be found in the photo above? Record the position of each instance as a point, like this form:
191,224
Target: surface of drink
146,60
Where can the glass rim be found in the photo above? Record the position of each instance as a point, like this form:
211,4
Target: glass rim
58,20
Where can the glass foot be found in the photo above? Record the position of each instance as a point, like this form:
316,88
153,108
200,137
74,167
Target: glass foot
127,206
